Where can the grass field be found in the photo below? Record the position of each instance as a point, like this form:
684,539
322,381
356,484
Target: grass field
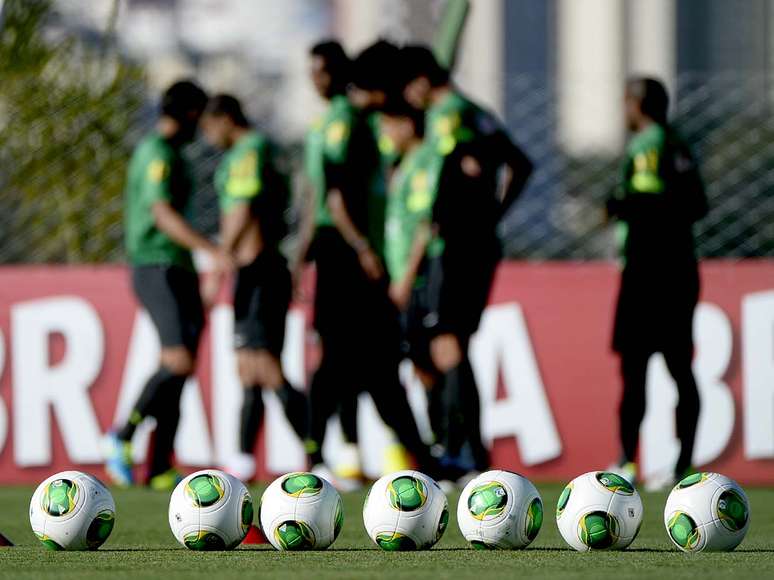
142,546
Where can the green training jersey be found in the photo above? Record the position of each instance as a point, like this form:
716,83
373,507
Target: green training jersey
456,119
239,175
342,150
413,191
327,141
157,172
660,198
247,175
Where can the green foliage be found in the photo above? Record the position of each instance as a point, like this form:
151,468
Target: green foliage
65,112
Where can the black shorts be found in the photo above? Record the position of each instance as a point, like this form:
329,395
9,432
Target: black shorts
451,300
654,311
357,322
170,295
262,293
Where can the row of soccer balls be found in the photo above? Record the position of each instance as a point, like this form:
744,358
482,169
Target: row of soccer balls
407,510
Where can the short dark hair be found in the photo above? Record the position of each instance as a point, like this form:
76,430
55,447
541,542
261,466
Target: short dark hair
418,60
227,105
376,67
653,97
397,106
337,63
180,99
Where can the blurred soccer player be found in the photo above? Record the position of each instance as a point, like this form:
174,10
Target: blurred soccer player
253,197
357,323
439,236
475,150
660,199
159,241
330,74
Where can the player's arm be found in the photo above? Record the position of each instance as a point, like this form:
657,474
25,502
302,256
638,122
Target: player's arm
400,290
156,189
341,219
517,169
344,194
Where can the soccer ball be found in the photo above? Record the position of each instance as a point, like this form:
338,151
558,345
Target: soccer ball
301,511
210,510
500,509
72,510
405,510
707,511
599,511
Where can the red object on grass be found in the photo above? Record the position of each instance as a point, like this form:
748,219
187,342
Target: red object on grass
5,541
254,536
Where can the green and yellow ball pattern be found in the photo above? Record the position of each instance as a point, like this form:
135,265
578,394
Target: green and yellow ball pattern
407,493
534,519
100,529
395,542
292,535
598,530
487,501
684,531
204,541
732,510
205,490
59,497
615,483
302,485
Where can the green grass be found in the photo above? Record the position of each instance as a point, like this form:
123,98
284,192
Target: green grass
142,546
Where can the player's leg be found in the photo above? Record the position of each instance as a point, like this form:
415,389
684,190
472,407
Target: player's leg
379,364
458,292
171,297
322,405
182,362
336,307
293,401
348,466
634,369
270,306
679,360
459,400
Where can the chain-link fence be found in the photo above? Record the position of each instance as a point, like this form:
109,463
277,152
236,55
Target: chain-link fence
62,170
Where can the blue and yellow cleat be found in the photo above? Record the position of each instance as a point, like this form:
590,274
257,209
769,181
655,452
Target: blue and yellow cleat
118,460
166,481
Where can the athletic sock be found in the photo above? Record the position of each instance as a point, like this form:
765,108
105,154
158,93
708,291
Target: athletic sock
348,417
321,404
250,418
296,409
458,398
148,402
167,415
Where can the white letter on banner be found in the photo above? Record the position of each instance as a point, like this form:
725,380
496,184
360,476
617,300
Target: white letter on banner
192,442
226,390
659,444
758,374
525,414
38,387
3,410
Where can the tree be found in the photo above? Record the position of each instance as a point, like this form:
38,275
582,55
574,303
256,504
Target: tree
66,115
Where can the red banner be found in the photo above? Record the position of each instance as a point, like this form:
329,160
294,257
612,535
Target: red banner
75,350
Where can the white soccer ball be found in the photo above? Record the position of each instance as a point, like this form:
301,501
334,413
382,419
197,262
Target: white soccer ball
72,510
406,510
707,512
599,511
500,510
301,511
210,510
